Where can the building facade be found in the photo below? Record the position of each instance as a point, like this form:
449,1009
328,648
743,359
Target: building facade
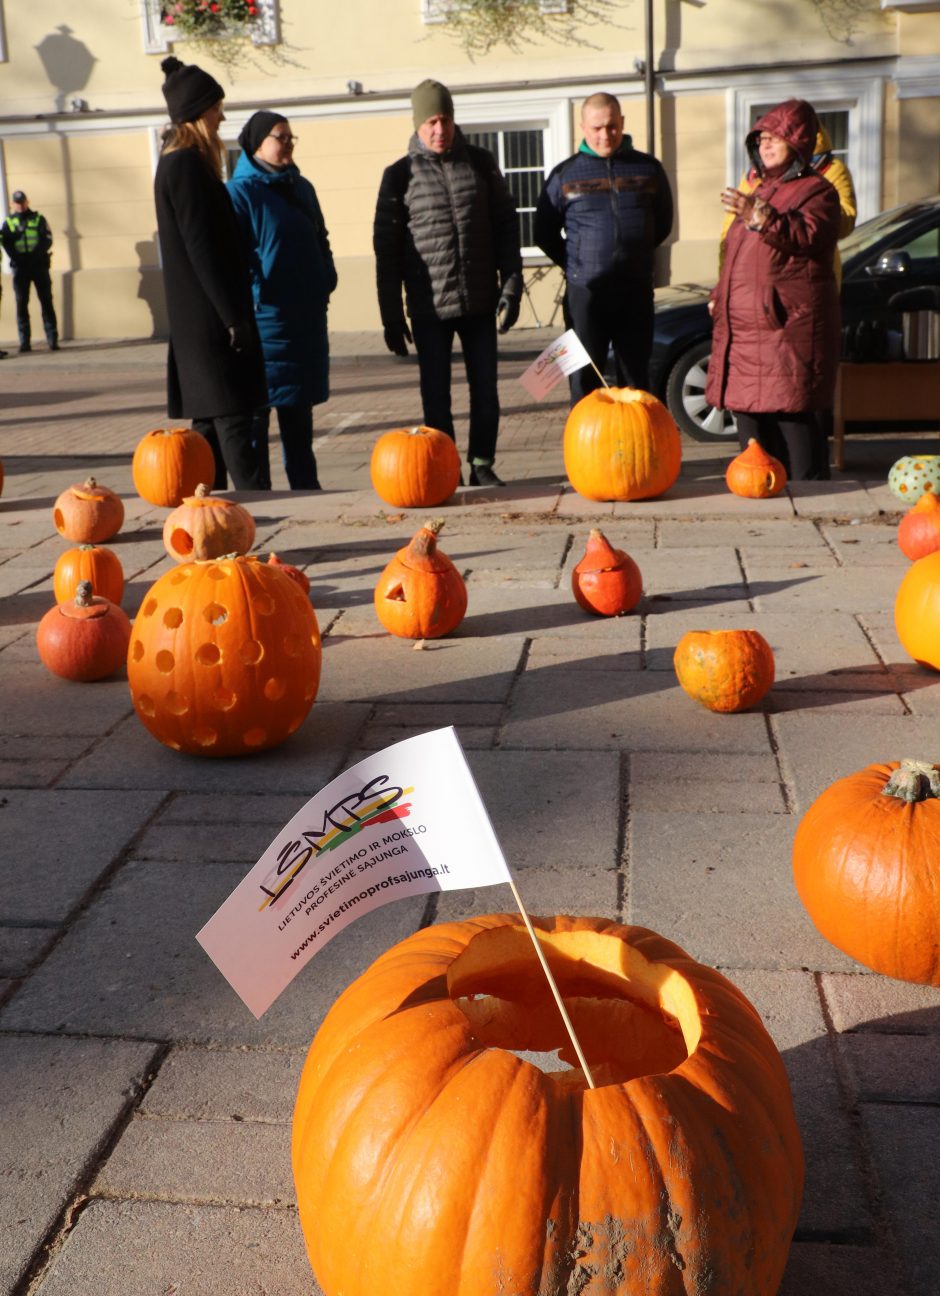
81,114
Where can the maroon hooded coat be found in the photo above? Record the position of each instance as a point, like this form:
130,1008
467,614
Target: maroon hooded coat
776,321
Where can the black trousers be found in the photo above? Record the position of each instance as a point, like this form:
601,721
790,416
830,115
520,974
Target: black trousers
799,441
434,343
233,444
295,423
25,274
621,317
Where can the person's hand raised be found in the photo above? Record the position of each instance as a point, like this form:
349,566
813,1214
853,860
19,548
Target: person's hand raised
396,338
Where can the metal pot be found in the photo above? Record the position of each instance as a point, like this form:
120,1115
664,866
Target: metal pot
920,332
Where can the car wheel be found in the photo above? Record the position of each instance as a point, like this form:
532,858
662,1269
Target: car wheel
685,396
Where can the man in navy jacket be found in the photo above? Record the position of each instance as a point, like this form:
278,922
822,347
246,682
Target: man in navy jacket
601,215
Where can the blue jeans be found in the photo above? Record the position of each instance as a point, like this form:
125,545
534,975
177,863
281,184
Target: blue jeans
295,423
434,342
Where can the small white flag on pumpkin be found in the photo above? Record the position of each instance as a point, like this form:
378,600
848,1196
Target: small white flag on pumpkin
559,358
405,821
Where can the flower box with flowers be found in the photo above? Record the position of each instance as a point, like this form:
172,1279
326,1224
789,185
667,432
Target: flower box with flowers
210,18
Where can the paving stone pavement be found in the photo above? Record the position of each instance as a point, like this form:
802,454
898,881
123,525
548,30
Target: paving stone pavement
145,1113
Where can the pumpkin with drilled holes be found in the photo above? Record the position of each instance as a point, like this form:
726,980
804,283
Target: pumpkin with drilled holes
917,610
865,867
621,444
416,467
913,475
429,1158
755,474
207,526
919,528
84,639
224,658
421,594
606,580
725,670
169,463
87,513
88,562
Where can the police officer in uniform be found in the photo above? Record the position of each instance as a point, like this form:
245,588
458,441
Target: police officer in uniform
27,241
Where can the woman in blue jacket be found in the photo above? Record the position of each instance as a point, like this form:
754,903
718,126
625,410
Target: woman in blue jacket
292,276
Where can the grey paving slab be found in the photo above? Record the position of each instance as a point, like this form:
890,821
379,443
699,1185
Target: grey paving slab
37,702
620,651
865,699
851,589
722,888
225,1084
779,534
707,497
385,668
892,1067
130,1248
131,758
905,1142
563,707
57,844
130,965
820,499
59,1100
690,573
545,890
761,563
20,947
880,625
679,772
229,1162
879,1004
840,1271
869,544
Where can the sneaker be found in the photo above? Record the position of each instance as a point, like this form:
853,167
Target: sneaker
483,475
24,348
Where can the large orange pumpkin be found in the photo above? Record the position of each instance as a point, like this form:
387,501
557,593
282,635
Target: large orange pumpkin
421,594
169,463
606,580
917,610
85,639
919,528
621,444
865,864
415,467
88,562
206,526
224,657
755,474
725,670
87,513
430,1160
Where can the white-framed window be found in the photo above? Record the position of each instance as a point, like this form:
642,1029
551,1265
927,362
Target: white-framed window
851,106
520,152
158,37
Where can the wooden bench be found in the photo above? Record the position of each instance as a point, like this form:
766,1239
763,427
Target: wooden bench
884,392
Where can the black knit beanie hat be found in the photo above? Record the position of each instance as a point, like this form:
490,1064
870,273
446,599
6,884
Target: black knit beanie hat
430,99
188,90
257,128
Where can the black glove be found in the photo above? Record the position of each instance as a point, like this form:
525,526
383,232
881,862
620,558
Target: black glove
396,335
239,337
507,312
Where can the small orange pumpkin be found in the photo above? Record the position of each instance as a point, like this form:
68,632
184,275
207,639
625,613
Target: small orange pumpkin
865,867
725,670
421,594
224,657
293,572
169,463
88,563
206,526
917,610
415,467
88,513
606,580
919,528
621,444
85,639
755,474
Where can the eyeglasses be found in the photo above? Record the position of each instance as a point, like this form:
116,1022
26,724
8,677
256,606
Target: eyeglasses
284,139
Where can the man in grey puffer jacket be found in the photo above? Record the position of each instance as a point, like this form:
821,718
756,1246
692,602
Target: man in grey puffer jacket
446,230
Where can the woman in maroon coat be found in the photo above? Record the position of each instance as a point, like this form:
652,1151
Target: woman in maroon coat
775,309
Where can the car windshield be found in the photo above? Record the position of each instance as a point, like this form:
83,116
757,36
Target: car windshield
872,231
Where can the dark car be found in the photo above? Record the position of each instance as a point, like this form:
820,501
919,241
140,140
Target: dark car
898,250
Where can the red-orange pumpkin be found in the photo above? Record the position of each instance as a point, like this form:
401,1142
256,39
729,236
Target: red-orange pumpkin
169,463
85,639
865,867
224,657
919,528
606,580
755,474
621,444
725,670
429,1159
415,467
206,526
92,563
293,572
421,594
88,513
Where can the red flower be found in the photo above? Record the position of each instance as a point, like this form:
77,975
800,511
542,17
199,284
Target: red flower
169,20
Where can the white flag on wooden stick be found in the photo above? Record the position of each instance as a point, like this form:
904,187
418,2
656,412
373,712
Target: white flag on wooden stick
561,357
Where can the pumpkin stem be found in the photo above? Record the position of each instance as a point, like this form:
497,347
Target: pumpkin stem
202,490
914,780
84,593
424,542
435,527
90,483
84,548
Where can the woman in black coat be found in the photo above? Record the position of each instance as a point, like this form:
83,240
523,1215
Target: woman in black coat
215,369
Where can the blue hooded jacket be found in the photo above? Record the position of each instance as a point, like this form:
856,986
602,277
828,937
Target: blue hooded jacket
292,277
